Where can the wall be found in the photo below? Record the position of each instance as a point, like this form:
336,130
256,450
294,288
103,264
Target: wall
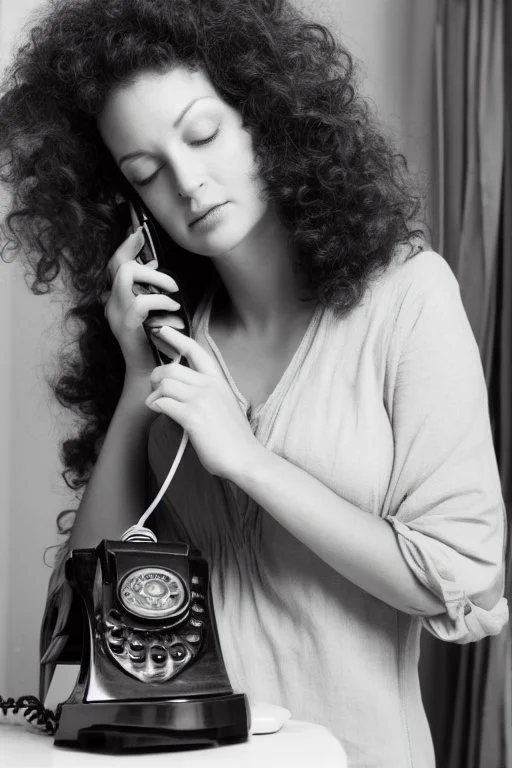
31,488
394,40
5,436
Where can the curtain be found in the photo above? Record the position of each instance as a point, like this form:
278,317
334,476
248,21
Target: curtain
469,699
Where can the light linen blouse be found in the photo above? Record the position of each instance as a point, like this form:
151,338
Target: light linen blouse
388,408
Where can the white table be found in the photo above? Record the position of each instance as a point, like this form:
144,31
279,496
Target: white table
297,744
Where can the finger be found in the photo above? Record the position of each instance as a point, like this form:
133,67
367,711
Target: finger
198,357
172,408
161,280
137,279
174,371
167,349
127,251
164,318
141,306
176,390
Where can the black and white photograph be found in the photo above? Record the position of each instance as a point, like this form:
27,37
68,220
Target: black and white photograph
255,383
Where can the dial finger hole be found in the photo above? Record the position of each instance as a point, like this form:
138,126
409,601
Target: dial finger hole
137,657
177,652
116,646
158,654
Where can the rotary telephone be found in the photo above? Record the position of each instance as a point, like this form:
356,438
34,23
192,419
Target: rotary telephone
141,625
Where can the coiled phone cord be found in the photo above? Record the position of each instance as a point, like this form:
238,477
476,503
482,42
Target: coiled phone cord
28,711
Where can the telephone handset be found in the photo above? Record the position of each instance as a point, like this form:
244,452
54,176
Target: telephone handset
152,251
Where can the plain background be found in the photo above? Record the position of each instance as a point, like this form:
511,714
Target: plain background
393,41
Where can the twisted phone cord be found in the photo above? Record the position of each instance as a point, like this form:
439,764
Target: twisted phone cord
31,713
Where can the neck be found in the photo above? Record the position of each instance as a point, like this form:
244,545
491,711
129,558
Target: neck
264,292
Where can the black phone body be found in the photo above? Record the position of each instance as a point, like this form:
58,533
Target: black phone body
151,674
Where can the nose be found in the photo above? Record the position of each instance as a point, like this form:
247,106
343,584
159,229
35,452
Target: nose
192,191
189,188
189,175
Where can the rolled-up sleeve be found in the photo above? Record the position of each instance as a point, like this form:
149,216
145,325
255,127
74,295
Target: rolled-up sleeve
449,515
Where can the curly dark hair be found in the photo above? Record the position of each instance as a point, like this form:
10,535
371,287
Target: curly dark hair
343,192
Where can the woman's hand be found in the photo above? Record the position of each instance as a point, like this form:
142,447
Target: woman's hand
128,304
201,401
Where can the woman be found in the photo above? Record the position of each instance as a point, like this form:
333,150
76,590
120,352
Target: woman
340,477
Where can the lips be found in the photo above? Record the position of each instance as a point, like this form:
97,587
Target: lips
203,213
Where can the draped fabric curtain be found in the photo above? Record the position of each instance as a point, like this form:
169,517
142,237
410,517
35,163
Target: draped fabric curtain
468,689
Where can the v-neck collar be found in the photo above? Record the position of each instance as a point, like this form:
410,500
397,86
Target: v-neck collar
288,375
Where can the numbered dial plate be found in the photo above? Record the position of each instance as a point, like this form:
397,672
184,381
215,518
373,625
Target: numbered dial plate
153,593
155,655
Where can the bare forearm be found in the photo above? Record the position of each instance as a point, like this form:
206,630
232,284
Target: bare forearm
361,547
115,496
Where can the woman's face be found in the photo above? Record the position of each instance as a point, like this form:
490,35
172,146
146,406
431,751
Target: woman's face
185,152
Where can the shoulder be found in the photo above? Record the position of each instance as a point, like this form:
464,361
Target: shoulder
416,291
418,273
415,284
426,318
414,308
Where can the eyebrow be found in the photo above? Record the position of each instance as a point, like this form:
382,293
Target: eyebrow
133,155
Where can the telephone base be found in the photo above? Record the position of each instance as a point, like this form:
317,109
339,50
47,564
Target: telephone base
131,726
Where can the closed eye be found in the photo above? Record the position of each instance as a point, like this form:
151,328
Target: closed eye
147,180
201,142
